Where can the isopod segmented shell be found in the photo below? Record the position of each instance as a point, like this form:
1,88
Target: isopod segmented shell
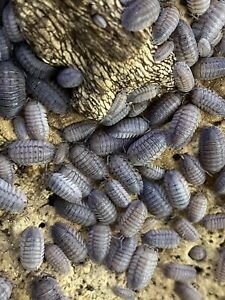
7,171
138,15
198,7
78,131
20,128
32,248
6,47
184,79
209,68
220,268
219,185
144,93
186,291
142,267
151,171
57,259
117,193
204,49
69,78
163,51
124,293
197,208
162,238
186,230
29,152
198,253
213,222
179,272
46,288
5,288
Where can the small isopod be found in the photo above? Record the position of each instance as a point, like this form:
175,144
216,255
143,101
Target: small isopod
209,68
163,51
151,171
186,291
179,272
124,293
186,230
162,238
57,259
219,185
197,208
61,153
204,49
7,171
69,78
78,131
184,79
117,193
144,93
46,288
20,128
213,222
198,7
99,21
220,268
5,288
198,253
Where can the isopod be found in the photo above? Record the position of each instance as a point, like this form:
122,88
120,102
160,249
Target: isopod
99,21
46,288
124,293
137,109
163,51
61,153
186,291
184,79
162,238
5,288
219,185
78,131
209,68
7,171
220,268
198,253
20,128
69,78
204,49
213,222
197,208
179,272
117,193
151,171
144,93
186,230
198,7
57,259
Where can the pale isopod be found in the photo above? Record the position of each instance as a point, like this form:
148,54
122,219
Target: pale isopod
78,131
197,208
213,222
198,253
144,93
57,259
186,291
186,230
184,79
162,238
179,272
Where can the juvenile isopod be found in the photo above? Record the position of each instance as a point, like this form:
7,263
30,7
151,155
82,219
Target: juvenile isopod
32,248
186,230
78,131
144,93
7,171
163,51
179,272
20,128
162,238
209,68
117,193
5,288
204,49
70,241
151,171
46,288
124,293
61,153
99,21
29,152
98,243
69,78
57,259
198,7
220,268
198,253
213,222
186,291
212,149
6,47
142,267
184,79
197,208
138,15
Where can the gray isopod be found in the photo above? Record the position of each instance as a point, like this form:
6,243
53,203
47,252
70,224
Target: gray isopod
29,152
64,187
163,109
162,238
36,120
117,193
70,241
209,68
88,162
154,197
5,289
138,15
6,47
198,7
186,48
163,51
69,78
32,248
20,128
208,101
212,149
98,243
198,253
61,153
133,218
214,222
99,21
204,48
144,93
77,177
177,189
192,170
102,207
197,208
78,131
142,267
179,272
184,79
128,128
11,198
124,293
137,109
220,268
183,125
7,171
57,259
125,173
120,253
147,148
186,230
32,64
151,171
165,24
46,288
79,213
186,291
219,185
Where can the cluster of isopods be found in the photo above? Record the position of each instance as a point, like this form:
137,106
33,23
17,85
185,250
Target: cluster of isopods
106,177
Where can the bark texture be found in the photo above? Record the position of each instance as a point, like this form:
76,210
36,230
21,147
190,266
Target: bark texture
111,59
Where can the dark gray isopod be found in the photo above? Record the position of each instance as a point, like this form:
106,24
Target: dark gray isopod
32,64
186,230
10,24
117,193
186,48
219,185
162,238
212,149
220,268
214,222
102,207
186,291
20,128
144,93
155,199
147,148
142,267
78,131
124,293
163,51
120,253
70,241
12,90
5,289
57,259
197,208
184,79
179,272
165,24
128,128
49,94
192,170
98,243
29,152
177,189
64,187
209,68
197,7
208,101
36,120
133,218
183,125
138,15
76,176
46,288
61,153
32,248
160,112
6,47
7,171
69,78
198,253
137,109
125,173
11,198
79,213
151,171
88,162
